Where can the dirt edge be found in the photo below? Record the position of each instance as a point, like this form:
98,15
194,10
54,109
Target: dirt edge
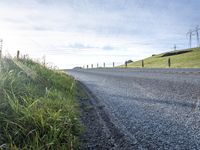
100,132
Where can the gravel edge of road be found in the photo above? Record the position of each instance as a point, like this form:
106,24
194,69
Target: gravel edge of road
100,132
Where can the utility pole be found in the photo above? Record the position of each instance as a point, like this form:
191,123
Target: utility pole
190,34
1,47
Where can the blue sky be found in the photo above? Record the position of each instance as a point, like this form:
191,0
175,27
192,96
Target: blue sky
73,33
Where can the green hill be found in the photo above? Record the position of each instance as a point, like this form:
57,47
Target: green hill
189,58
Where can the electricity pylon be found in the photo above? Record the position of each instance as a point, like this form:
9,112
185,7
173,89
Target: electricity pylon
197,29
175,47
190,34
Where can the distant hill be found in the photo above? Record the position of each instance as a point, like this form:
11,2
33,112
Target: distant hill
188,58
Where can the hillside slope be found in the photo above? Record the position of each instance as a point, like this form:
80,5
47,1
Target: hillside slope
189,58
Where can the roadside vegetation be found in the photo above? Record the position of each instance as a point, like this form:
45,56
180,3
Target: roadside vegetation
189,58
37,107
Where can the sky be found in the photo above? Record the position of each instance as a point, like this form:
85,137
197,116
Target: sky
70,33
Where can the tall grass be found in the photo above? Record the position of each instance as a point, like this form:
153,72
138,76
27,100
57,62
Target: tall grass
37,107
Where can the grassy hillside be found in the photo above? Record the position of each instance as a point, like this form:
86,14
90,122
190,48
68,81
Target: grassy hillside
37,107
189,59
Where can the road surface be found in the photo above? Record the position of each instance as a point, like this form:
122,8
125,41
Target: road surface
155,108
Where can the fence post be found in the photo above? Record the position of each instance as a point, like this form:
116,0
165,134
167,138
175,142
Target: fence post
1,47
113,64
169,62
87,66
44,61
142,63
104,65
18,54
126,64
97,65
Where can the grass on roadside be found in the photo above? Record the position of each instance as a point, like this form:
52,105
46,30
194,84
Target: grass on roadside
37,107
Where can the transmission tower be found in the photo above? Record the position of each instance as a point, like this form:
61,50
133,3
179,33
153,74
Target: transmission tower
197,29
190,34
175,47
1,47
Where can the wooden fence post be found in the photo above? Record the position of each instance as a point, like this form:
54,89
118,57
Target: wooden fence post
1,47
169,62
18,54
126,64
142,63
44,60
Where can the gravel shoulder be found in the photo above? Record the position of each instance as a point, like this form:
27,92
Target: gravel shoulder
99,132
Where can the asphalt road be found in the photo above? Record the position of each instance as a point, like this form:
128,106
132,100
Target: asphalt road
155,108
